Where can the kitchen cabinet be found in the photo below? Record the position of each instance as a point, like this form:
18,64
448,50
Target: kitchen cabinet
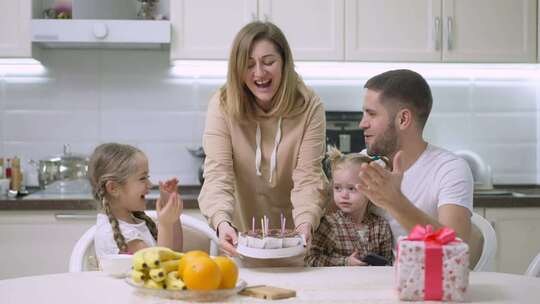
314,28
205,29
40,242
436,30
15,41
517,232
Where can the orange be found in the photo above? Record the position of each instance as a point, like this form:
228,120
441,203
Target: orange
229,271
188,257
202,273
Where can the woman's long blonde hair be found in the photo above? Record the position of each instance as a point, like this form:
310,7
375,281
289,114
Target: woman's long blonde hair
115,162
236,98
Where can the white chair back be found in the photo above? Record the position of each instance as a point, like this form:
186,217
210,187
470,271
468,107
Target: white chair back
489,248
83,256
534,268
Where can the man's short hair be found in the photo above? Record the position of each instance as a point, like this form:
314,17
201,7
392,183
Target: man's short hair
407,89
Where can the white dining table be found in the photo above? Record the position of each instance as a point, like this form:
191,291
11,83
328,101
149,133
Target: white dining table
312,285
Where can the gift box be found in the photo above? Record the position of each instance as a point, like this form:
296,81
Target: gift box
432,265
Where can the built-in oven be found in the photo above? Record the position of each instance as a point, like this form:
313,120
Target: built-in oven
343,132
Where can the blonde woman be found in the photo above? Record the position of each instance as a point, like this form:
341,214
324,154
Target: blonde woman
264,141
119,177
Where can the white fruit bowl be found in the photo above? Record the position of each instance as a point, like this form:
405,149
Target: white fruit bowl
189,295
116,265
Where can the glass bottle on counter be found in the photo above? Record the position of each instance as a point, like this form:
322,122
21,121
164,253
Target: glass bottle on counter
8,168
16,174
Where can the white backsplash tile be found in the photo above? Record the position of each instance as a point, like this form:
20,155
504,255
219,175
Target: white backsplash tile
500,96
450,96
450,131
151,126
147,94
87,97
504,128
77,93
204,89
171,160
511,164
339,95
43,126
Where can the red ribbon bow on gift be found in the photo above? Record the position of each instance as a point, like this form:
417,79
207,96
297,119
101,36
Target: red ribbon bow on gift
434,240
442,236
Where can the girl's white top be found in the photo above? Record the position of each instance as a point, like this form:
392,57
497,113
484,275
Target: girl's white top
104,239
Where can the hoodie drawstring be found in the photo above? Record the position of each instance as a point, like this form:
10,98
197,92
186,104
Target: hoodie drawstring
258,154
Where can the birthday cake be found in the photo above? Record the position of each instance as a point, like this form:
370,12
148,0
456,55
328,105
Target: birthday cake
272,244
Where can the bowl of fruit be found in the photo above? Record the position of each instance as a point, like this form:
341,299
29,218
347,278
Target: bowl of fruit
191,276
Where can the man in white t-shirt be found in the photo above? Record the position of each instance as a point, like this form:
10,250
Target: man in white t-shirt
427,184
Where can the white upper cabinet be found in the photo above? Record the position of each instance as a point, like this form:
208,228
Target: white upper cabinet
313,28
393,30
15,41
441,30
489,30
205,29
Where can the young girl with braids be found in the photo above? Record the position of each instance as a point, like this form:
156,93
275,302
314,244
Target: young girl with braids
119,177
351,230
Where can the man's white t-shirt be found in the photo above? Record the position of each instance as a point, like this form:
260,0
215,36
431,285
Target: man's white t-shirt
104,238
438,177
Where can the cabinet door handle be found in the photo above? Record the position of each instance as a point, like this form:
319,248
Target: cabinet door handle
450,25
437,33
68,216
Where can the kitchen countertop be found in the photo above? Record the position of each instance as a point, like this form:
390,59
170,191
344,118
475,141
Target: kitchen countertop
501,197
49,201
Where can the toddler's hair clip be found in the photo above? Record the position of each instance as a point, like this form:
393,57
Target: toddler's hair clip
376,157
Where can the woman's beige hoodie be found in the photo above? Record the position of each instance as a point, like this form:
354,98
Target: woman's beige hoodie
232,189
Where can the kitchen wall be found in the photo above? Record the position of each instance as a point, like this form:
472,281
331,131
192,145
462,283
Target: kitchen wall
86,97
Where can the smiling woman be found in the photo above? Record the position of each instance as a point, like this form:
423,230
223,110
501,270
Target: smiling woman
264,141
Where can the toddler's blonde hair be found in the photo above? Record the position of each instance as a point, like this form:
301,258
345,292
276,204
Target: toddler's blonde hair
338,160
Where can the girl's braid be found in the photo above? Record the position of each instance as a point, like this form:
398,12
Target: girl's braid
117,234
149,222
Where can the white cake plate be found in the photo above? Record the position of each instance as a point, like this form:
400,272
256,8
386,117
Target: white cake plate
270,253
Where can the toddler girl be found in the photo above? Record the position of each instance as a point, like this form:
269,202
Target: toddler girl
351,231
119,177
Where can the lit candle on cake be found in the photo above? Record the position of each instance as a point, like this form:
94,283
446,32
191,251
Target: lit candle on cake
281,224
265,225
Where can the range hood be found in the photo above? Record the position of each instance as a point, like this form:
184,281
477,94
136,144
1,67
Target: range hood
99,33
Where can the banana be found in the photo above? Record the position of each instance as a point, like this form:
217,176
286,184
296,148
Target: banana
173,275
157,274
156,255
170,265
138,259
153,284
174,282
138,276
